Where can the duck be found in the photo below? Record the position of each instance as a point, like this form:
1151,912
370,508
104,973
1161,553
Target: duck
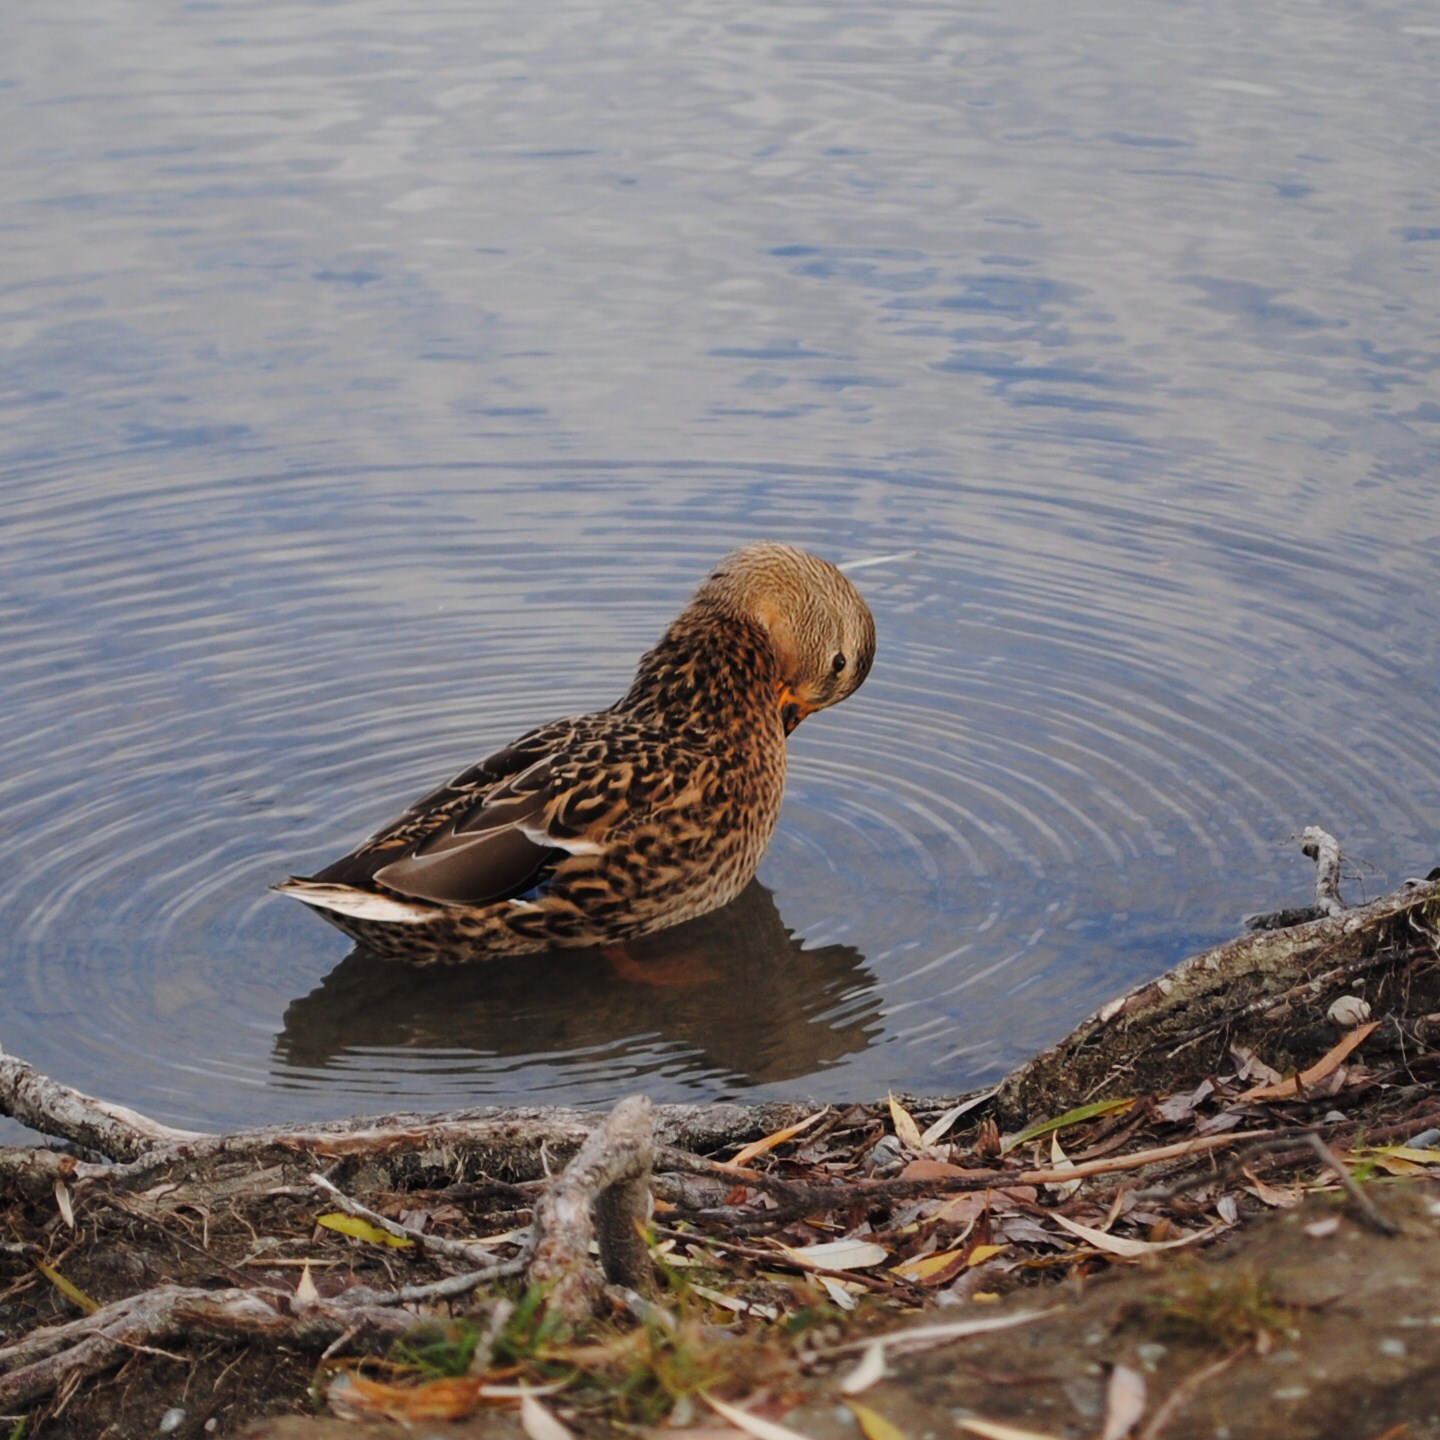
600,828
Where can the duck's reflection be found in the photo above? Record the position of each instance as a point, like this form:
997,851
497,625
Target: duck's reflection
735,987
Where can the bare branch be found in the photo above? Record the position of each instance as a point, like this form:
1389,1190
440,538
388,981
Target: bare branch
55,1109
604,1189
1324,849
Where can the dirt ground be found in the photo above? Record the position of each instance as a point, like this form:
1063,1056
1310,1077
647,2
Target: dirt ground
1301,1328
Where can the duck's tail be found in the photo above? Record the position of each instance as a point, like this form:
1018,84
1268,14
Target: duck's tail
357,904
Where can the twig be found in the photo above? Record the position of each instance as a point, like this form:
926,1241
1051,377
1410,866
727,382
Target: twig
433,1244
604,1193
65,1354
1363,1202
452,1287
48,1106
1324,849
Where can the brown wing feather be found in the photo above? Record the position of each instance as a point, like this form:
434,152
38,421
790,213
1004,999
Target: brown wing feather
461,844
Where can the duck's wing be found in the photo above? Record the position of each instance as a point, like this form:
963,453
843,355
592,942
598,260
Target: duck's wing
496,831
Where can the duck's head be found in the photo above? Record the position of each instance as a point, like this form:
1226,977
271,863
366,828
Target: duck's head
822,631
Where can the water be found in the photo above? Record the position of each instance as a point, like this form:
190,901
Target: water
378,380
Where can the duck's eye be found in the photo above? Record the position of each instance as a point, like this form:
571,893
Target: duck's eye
838,664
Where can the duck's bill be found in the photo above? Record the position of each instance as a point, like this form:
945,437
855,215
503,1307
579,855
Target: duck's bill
793,709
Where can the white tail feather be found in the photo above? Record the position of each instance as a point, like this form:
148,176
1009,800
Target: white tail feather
344,900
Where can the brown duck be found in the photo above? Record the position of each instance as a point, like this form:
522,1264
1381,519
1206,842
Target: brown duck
599,828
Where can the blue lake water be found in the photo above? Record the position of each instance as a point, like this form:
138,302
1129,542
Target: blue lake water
377,380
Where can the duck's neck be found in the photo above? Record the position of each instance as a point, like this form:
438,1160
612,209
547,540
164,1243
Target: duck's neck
710,666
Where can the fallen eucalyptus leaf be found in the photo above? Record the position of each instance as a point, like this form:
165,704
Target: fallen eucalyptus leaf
361,1230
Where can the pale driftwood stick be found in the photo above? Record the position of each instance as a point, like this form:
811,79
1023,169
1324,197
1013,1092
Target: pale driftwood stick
433,1244
1324,849
55,1109
452,1287
609,1176
39,1364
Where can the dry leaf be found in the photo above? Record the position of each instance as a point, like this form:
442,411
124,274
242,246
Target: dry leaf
907,1132
1268,1194
539,1424
451,1398
932,1269
1404,1152
998,1202
1180,1107
1308,1079
305,1291
1249,1066
743,1157
875,1425
62,1199
751,1424
1059,1160
739,1307
1118,1245
838,1255
981,1253
1397,1165
1124,1402
508,1237
939,1127
841,1293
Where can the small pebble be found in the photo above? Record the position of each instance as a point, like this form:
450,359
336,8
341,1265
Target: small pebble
1292,1392
1425,1140
212,1425
1348,1010
171,1419
1392,1347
